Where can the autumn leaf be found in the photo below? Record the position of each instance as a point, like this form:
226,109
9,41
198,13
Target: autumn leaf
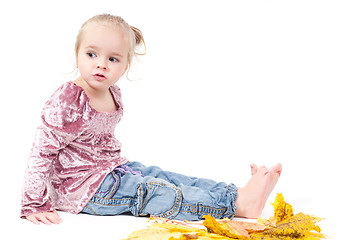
225,229
250,227
267,222
185,236
180,238
176,228
295,227
282,210
285,225
208,236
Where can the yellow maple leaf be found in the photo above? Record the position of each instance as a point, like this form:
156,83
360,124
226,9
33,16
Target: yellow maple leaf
285,225
295,227
250,227
282,209
224,229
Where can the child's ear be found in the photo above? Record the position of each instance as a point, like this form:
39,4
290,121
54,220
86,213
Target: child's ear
76,60
126,69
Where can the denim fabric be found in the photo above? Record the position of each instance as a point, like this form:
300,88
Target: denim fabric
163,194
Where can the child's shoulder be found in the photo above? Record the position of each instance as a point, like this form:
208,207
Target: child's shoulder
68,103
69,88
68,93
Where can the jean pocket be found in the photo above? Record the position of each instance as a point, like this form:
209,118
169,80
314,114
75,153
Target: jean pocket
157,198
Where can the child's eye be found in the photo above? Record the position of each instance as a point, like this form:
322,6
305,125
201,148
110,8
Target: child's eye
112,59
91,54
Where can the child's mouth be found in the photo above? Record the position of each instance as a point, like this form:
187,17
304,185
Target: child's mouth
99,76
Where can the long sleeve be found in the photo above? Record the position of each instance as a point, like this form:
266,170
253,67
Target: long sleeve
63,119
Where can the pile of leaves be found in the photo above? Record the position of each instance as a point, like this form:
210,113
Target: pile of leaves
284,224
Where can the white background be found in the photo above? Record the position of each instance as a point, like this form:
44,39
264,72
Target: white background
223,84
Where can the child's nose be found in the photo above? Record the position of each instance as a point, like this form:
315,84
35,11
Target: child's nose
101,64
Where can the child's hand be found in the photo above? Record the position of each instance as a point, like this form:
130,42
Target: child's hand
45,217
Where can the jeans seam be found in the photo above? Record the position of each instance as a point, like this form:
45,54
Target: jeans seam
234,208
176,204
217,211
105,204
142,206
91,210
107,191
114,187
115,199
112,201
214,214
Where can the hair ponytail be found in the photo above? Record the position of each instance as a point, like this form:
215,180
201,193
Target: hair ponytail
139,40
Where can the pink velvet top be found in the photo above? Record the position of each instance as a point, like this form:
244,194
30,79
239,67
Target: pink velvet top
74,149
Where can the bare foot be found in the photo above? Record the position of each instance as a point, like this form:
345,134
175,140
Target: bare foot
252,197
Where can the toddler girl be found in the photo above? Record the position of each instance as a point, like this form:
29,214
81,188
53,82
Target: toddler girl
76,165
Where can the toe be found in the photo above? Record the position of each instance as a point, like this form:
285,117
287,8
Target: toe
263,170
276,169
254,168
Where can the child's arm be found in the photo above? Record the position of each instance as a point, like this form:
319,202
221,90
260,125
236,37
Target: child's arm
64,117
35,198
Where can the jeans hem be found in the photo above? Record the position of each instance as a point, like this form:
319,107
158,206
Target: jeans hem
225,209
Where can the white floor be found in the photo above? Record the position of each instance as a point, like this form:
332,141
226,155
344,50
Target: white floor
339,223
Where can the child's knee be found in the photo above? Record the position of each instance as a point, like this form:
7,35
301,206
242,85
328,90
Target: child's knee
157,198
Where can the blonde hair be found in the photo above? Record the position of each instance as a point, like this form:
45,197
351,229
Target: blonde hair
135,41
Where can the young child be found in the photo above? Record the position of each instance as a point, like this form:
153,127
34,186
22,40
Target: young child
76,164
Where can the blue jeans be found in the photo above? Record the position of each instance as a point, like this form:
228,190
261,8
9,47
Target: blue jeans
162,194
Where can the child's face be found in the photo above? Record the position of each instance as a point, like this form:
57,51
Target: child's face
102,56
